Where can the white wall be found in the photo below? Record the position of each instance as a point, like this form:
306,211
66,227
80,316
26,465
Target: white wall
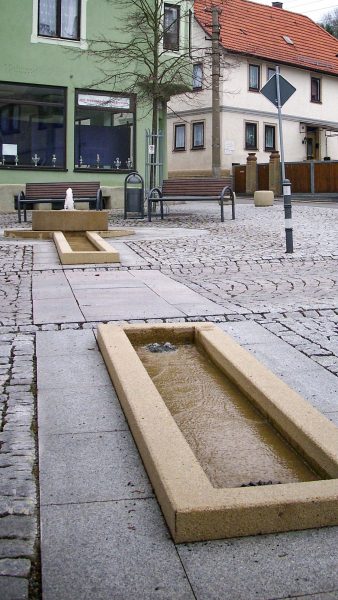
238,105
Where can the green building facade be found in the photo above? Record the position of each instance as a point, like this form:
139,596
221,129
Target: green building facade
58,121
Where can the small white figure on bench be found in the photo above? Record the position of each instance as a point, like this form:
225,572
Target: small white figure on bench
69,201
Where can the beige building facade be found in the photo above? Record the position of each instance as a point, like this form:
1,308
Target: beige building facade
248,121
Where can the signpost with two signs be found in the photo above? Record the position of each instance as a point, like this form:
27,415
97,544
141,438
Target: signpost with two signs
278,90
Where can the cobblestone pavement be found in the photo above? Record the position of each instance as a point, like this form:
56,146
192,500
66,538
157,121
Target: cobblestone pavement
241,265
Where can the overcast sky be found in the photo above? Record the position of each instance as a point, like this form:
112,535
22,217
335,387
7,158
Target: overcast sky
315,9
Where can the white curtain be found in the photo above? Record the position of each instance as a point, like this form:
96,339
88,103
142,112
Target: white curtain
198,134
47,17
69,19
180,136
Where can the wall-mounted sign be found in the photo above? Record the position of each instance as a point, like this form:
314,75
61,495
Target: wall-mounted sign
151,149
9,149
229,147
103,101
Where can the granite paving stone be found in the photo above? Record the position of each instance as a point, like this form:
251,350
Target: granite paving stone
283,308
266,567
85,467
107,550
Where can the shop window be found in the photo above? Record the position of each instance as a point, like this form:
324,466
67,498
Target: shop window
32,126
197,76
269,138
171,29
104,131
197,135
254,78
315,89
179,137
251,136
59,19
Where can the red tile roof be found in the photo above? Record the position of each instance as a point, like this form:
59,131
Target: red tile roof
257,30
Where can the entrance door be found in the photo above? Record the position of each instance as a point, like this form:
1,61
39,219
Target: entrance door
312,146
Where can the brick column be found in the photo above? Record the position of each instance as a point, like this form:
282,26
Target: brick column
275,183
251,173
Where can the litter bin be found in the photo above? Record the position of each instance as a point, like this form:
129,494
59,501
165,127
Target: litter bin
134,196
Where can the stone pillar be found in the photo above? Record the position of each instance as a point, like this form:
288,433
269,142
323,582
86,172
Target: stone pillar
251,173
275,182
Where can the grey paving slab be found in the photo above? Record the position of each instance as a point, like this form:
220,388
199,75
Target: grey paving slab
79,410
248,332
309,379
138,303
66,342
53,301
107,551
101,279
265,567
178,294
73,370
90,467
43,283
56,310
13,588
128,257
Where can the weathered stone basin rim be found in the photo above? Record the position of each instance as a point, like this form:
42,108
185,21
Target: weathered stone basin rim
193,508
102,251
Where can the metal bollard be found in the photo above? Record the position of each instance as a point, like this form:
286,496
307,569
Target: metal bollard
288,215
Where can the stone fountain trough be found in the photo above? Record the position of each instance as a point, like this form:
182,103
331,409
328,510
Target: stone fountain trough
78,235
229,448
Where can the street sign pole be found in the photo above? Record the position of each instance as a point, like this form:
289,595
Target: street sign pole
286,184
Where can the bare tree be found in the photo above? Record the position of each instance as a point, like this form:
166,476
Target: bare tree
330,22
135,59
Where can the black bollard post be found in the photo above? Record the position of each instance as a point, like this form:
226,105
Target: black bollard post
288,215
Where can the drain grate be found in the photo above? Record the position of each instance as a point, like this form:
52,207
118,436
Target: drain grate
260,482
165,347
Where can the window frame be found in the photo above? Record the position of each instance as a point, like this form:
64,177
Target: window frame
197,88
270,68
58,35
180,148
132,109
246,146
39,103
258,67
318,99
193,145
273,127
176,46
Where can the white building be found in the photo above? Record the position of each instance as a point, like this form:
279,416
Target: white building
255,39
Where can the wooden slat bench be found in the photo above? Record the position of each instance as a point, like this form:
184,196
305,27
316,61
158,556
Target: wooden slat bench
83,191
192,190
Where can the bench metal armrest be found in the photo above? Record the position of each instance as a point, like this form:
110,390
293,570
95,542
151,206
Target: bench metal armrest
99,199
227,190
21,198
152,198
152,191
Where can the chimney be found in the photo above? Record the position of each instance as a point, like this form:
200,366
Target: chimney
277,4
